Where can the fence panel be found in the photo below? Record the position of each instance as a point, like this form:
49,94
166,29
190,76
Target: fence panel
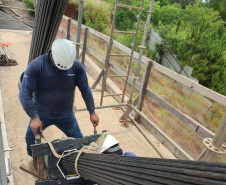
187,99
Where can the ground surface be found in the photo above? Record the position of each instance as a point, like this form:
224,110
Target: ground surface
17,121
13,25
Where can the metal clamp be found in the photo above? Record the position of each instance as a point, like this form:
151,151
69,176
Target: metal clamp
208,144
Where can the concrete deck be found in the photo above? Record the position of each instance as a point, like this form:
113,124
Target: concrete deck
16,120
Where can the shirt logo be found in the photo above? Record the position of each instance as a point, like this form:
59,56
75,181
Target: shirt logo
71,74
25,76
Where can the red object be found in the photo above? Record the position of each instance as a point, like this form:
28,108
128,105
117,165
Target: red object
6,44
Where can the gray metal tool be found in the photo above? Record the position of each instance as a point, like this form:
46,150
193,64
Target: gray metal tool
95,131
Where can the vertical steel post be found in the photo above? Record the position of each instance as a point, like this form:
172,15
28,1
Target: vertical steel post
3,179
143,88
84,46
80,14
142,47
217,141
68,28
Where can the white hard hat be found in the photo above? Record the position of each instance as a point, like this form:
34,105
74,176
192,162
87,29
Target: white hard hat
108,143
64,53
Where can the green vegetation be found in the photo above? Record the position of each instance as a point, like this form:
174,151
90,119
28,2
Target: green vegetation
97,16
197,35
29,4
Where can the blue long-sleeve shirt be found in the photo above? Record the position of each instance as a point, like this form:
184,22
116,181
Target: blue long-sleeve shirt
54,89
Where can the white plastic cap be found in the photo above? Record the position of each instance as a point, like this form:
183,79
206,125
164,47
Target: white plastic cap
108,143
64,53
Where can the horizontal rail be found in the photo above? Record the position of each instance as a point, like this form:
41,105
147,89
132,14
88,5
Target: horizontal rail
2,19
120,55
117,75
103,107
113,95
125,32
130,7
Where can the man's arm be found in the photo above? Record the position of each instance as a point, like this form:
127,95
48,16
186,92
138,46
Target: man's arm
28,86
82,83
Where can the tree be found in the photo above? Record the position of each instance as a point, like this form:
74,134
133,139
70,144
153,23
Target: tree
197,36
219,6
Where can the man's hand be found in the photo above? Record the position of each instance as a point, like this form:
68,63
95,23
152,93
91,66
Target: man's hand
94,119
35,125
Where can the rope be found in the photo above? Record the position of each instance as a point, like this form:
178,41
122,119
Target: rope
76,160
53,149
92,147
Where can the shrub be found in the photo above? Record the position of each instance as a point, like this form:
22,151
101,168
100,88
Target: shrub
125,19
97,16
29,4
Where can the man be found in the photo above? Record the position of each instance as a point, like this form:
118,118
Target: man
52,78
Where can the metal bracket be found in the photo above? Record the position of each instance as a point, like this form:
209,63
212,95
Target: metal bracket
208,144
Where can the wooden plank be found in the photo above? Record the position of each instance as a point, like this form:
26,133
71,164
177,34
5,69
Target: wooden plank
40,164
112,76
29,170
120,55
68,28
125,32
143,88
98,79
84,46
175,76
112,95
122,118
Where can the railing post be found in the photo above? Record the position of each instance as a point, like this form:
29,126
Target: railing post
143,88
68,28
216,145
80,14
84,46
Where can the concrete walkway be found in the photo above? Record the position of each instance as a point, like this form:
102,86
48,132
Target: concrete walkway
16,120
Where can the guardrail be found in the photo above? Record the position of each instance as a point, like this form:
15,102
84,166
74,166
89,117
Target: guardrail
193,86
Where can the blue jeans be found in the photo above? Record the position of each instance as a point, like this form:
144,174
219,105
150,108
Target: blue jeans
67,125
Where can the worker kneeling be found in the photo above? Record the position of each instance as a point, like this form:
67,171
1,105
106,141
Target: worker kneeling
52,78
111,146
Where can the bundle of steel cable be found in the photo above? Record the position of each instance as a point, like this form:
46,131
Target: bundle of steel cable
114,169
48,15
